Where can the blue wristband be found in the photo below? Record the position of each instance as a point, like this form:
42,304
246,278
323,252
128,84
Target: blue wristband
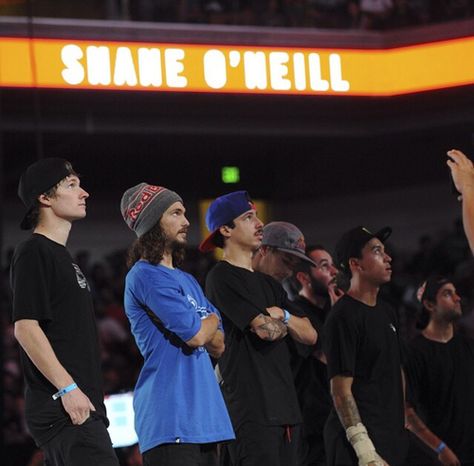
286,316
440,447
64,390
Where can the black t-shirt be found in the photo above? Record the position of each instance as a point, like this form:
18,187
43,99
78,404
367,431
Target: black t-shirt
441,387
362,342
257,381
310,374
50,288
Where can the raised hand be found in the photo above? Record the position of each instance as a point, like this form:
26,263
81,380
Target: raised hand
462,170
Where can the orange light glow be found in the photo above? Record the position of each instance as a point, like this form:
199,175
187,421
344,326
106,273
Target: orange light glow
48,63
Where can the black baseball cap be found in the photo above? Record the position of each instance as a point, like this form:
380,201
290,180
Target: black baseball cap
37,179
353,241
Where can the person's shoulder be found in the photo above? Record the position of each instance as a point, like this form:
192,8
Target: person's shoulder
33,241
383,304
346,309
32,246
267,279
182,275
339,310
344,305
419,342
389,310
460,336
223,270
144,270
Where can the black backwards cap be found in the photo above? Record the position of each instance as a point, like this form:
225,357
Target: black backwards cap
39,178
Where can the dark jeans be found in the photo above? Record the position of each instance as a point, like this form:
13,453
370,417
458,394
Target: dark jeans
85,445
260,445
181,454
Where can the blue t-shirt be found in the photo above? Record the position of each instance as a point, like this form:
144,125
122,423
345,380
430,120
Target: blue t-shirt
177,398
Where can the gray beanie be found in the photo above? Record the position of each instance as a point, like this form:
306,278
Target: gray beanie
144,204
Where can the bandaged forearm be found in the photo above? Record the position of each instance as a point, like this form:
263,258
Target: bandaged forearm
363,446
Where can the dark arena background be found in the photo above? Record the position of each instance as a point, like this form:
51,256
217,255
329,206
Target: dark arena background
323,161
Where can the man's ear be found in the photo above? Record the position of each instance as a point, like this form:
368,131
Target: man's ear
303,278
428,305
44,199
225,231
354,264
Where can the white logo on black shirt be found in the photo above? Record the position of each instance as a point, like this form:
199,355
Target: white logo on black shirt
81,279
393,328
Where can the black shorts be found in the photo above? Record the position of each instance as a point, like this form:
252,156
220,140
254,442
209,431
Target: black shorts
87,444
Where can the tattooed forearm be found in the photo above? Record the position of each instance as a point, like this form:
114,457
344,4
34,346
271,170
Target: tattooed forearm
347,410
268,328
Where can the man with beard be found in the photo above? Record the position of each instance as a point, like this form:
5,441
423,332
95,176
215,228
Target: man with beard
180,414
255,368
317,292
440,374
361,344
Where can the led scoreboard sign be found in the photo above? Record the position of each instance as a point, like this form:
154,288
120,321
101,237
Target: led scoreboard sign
155,67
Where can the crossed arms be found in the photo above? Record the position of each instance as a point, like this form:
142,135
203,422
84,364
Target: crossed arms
272,327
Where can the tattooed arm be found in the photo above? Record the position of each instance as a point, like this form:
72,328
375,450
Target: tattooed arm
413,423
267,328
344,402
299,328
346,408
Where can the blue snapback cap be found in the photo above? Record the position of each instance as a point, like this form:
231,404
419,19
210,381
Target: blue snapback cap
223,210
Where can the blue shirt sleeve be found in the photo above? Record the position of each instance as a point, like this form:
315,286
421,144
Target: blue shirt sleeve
164,296
214,309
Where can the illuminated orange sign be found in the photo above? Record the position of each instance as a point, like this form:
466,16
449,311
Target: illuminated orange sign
48,63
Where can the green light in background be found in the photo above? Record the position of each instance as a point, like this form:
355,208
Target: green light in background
230,175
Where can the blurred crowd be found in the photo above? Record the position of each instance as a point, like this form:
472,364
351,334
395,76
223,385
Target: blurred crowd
342,14
363,14
444,252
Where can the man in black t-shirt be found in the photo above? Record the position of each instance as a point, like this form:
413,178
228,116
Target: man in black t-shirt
55,326
440,376
366,426
255,372
315,293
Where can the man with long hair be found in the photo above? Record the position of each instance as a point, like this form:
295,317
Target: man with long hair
180,414
55,325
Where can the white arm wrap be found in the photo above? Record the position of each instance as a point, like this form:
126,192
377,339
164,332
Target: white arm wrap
363,446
